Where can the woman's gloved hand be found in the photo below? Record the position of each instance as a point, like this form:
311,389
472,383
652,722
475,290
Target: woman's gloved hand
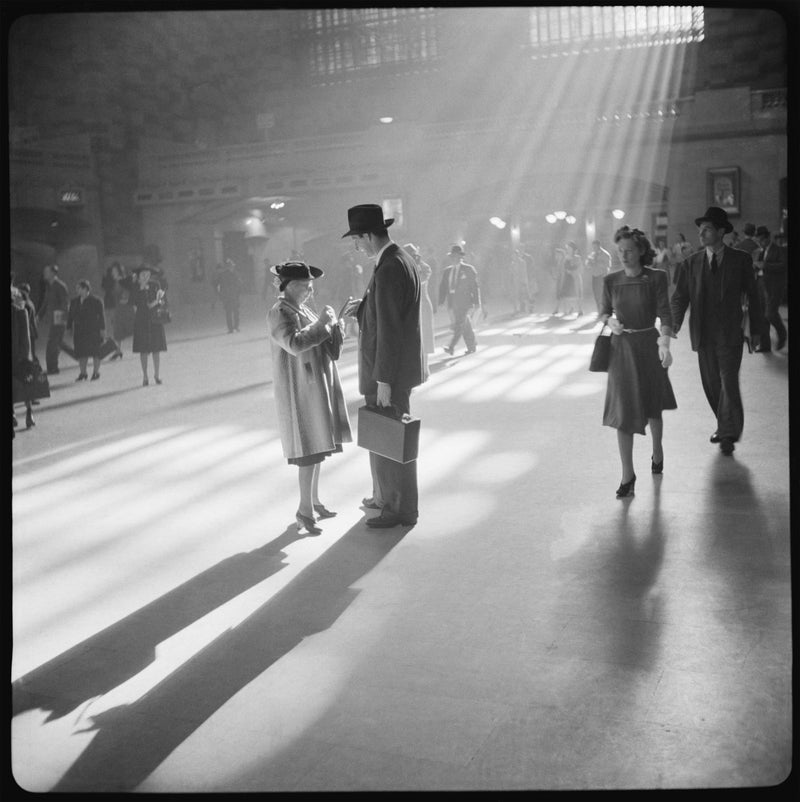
663,352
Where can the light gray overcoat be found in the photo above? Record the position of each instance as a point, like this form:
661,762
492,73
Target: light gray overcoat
312,415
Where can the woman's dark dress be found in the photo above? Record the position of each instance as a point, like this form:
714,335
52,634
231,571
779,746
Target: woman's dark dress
638,386
148,336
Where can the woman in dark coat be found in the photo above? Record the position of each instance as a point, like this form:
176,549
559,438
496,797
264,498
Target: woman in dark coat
312,415
86,320
148,334
638,388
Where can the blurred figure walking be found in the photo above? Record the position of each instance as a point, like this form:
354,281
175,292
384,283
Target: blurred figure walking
228,286
425,305
113,290
86,320
312,414
598,263
54,311
460,291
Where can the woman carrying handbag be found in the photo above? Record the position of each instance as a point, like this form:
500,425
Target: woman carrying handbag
638,387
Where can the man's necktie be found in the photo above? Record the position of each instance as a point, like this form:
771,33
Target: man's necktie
713,263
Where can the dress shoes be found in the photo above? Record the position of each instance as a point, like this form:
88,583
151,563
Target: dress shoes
715,438
448,350
371,504
471,350
726,446
386,521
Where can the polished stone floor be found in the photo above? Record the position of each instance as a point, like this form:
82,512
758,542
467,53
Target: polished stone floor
173,633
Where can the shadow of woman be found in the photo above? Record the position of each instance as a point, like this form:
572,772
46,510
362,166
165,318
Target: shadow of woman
132,740
109,658
635,564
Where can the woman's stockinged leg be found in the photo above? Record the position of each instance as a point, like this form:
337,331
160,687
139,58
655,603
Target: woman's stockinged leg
156,364
625,443
656,432
315,484
306,478
143,360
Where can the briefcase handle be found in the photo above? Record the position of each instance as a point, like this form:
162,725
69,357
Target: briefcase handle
390,412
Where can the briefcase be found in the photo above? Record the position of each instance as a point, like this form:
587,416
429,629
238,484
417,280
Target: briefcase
107,347
383,431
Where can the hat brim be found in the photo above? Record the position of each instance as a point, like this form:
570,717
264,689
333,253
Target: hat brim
728,226
315,273
352,232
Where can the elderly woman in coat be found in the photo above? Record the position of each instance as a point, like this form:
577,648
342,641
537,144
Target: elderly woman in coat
312,415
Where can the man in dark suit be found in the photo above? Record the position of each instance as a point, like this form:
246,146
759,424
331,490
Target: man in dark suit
390,356
713,281
771,266
53,309
460,292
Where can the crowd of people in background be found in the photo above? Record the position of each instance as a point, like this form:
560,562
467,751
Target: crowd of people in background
462,282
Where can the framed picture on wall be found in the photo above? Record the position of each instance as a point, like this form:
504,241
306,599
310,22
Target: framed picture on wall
724,189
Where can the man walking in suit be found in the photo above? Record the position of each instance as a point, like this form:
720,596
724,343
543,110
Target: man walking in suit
390,356
459,290
228,286
713,281
771,266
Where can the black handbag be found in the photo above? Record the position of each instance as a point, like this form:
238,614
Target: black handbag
382,430
160,313
601,354
106,348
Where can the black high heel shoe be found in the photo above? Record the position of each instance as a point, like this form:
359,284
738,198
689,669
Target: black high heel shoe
29,421
82,377
626,488
656,467
323,512
303,522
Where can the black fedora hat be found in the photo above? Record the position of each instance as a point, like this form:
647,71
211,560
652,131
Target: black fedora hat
762,231
366,218
456,249
295,271
717,217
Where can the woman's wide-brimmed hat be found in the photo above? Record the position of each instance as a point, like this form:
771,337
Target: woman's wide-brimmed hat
295,271
717,217
365,219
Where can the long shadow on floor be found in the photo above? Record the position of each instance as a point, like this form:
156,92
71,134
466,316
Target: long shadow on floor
165,716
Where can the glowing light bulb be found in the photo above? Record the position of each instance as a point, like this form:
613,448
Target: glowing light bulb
570,220
560,215
497,222
551,218
618,214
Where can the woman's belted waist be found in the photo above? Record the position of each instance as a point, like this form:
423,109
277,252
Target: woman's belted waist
640,331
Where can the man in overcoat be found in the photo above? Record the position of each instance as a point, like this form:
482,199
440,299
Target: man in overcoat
459,290
390,355
229,287
53,309
714,281
771,266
